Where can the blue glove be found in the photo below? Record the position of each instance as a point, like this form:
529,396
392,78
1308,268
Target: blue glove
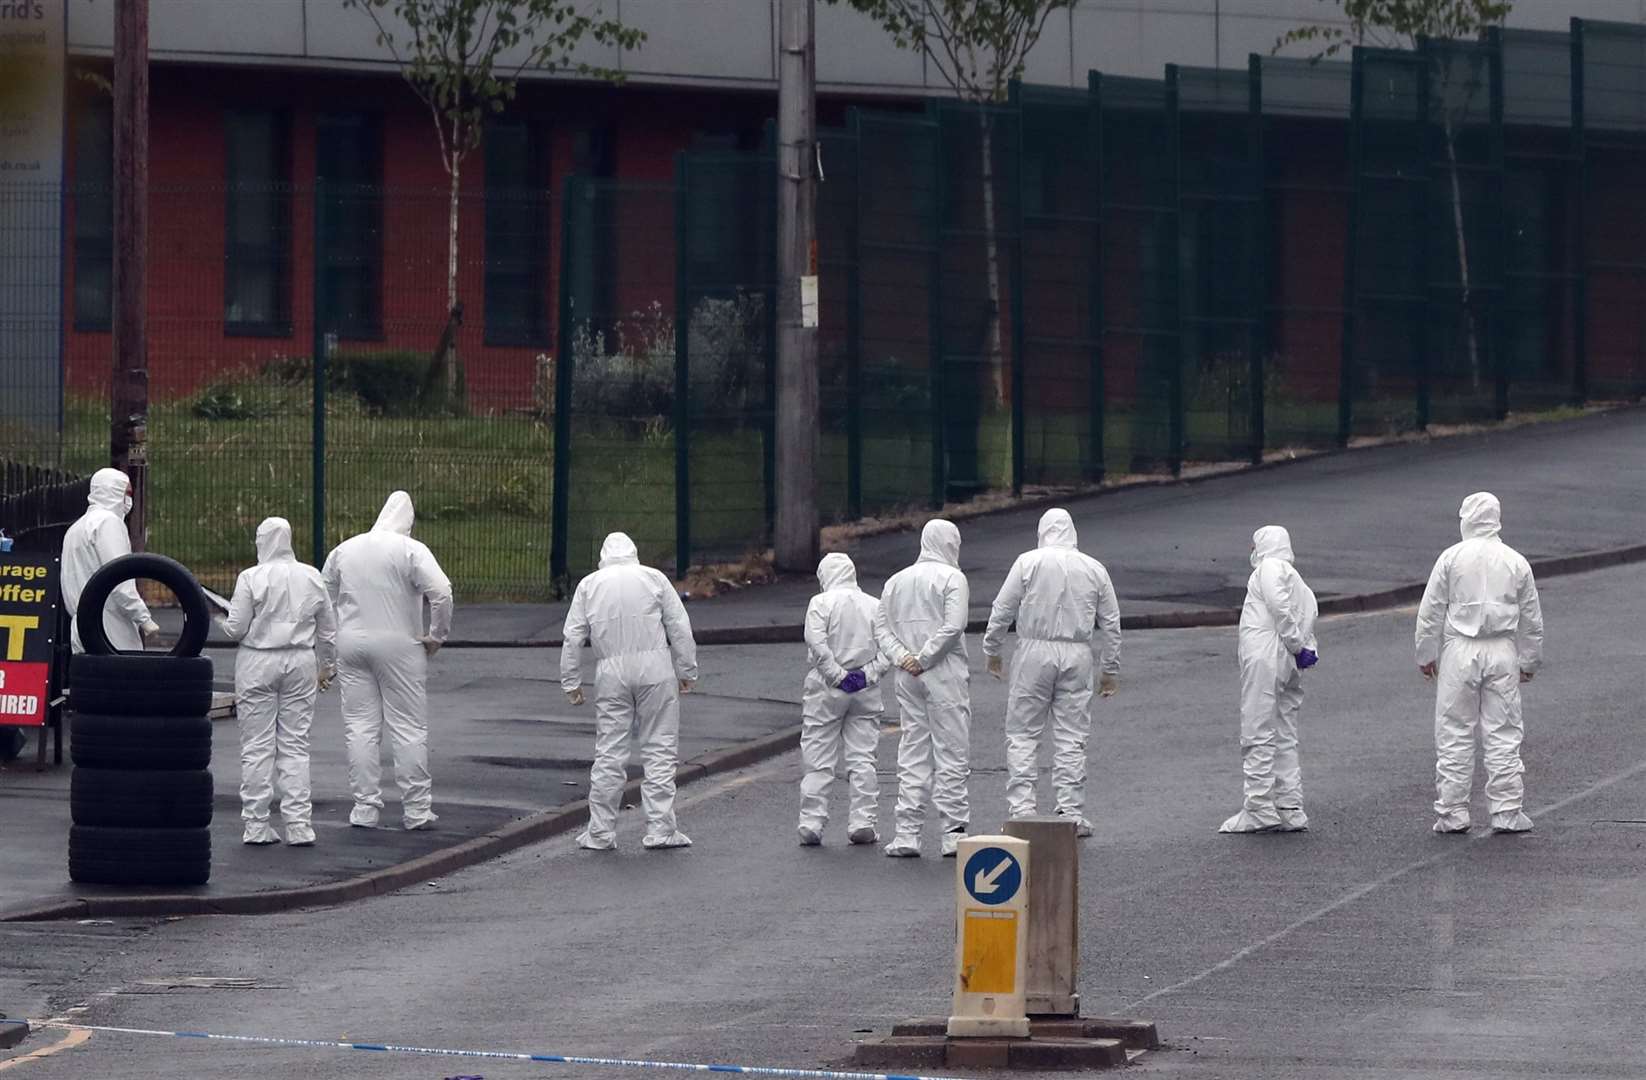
1307,659
854,681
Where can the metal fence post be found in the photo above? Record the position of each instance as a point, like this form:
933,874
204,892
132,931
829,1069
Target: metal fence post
1580,256
1259,257
854,330
1500,306
318,366
1420,236
1346,376
1174,154
1094,120
682,376
574,192
935,373
1019,331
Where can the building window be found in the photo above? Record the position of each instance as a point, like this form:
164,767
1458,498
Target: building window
349,159
257,282
517,244
94,215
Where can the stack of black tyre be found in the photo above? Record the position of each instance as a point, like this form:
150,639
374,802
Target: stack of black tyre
140,739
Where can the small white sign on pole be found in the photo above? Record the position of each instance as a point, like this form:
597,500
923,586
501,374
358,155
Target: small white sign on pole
808,302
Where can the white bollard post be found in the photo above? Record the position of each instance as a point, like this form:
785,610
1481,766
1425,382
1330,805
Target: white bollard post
991,937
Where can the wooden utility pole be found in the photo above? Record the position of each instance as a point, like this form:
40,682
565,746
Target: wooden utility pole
129,388
796,540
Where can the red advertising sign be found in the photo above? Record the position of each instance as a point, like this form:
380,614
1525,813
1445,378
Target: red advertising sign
28,626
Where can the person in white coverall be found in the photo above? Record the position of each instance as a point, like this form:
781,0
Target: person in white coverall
1056,594
840,703
1277,642
920,625
1480,632
100,537
645,658
378,582
282,617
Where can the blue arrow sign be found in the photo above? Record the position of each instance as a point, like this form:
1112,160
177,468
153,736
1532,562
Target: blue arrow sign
992,875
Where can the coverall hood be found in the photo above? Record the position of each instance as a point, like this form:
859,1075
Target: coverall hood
1481,516
940,542
836,572
274,540
1271,542
1057,529
108,491
618,550
397,515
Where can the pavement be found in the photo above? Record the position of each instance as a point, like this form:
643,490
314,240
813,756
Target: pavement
1366,949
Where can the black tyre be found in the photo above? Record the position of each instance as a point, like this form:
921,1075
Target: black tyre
168,572
12,741
100,741
124,799
99,856
140,684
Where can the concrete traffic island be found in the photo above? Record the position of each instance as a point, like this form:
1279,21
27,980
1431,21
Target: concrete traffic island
1017,923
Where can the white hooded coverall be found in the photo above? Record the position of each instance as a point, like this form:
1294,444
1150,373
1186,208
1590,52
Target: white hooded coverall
100,537
1057,595
922,613
1481,621
1276,623
378,582
282,616
642,640
839,640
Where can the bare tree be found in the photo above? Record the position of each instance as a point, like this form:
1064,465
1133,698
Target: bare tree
463,59
1405,24
979,47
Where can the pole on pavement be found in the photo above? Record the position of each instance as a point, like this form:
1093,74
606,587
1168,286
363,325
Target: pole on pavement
1052,963
129,387
796,537
991,907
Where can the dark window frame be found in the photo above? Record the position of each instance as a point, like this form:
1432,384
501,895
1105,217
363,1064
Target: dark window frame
521,211
274,255
352,244
94,206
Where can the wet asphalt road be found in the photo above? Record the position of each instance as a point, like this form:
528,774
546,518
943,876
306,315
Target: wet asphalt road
1366,948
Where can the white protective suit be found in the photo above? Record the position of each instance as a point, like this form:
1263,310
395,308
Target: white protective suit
1481,622
100,537
1057,595
642,640
378,582
839,640
922,614
1276,623
282,617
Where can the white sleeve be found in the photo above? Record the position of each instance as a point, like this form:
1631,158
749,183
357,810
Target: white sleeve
677,625
432,582
1431,614
1108,624
573,633
1004,612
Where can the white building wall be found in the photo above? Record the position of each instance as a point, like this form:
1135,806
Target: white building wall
732,42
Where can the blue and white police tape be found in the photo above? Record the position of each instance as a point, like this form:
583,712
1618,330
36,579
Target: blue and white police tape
493,1055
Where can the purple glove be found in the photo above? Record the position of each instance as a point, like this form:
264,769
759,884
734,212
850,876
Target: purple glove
854,681
1307,659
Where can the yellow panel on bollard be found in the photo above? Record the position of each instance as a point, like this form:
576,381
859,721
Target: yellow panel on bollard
991,902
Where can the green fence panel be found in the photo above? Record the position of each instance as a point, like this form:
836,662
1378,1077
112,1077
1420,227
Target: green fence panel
727,242
616,405
840,438
1464,254
1222,295
1389,348
977,320
1307,180
1613,110
1142,369
1060,352
1542,210
898,290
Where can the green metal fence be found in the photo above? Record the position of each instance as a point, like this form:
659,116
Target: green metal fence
1067,286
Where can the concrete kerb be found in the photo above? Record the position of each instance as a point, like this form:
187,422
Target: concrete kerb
501,841
1380,600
